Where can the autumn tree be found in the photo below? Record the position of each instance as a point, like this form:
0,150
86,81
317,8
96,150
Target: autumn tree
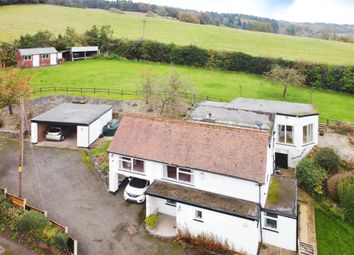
188,17
286,76
14,84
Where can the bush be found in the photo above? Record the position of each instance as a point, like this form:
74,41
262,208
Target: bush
60,241
152,220
327,159
346,196
32,221
332,185
311,177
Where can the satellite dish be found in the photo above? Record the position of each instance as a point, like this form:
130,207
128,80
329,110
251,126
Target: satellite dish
259,124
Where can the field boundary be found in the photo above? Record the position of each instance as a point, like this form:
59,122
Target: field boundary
22,203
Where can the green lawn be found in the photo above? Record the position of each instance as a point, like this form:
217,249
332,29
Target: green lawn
121,74
20,19
334,236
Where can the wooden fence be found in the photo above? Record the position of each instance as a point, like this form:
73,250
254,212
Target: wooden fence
121,92
21,202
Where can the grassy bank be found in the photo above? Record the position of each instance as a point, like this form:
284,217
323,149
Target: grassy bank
121,74
17,20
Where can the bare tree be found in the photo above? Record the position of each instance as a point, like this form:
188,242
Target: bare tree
286,76
147,80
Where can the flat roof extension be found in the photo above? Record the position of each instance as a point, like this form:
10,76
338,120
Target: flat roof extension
81,114
204,199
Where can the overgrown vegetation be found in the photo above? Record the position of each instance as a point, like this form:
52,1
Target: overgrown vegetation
328,159
346,196
273,192
311,177
32,229
100,155
151,221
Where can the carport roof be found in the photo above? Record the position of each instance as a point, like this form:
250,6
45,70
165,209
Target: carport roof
80,114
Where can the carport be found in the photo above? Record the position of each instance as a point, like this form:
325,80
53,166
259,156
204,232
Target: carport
87,121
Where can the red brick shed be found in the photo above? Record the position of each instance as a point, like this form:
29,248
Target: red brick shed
35,57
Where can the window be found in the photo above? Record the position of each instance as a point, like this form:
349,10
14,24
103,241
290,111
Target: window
45,55
27,57
131,164
198,215
271,221
285,134
307,134
170,202
179,174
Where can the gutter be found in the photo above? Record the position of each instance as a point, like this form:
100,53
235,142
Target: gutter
260,219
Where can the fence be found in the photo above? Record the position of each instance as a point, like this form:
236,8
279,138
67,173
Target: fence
194,97
21,202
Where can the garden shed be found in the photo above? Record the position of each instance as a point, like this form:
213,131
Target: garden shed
85,120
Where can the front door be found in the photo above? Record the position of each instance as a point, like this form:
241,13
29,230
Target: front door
281,160
35,60
53,59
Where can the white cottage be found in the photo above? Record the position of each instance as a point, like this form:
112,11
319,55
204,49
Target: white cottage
211,179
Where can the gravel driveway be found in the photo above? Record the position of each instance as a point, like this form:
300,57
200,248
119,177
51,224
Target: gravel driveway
76,197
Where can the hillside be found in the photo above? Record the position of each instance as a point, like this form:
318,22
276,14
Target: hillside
120,74
20,19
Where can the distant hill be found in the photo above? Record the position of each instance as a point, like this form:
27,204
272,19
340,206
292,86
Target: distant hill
16,20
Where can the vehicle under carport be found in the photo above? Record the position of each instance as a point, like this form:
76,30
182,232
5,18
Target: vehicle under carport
87,121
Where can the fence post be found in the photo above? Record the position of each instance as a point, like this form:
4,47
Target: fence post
67,90
5,192
108,91
66,230
81,90
41,90
94,90
45,213
24,204
121,92
75,247
54,89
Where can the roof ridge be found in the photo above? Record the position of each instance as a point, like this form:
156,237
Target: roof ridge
193,123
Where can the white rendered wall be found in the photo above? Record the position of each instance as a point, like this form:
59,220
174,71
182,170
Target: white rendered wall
298,150
241,234
285,237
211,182
82,136
95,128
34,132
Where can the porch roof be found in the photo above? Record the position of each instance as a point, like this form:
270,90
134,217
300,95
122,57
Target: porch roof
204,199
282,196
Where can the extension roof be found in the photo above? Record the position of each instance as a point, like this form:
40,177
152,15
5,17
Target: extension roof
36,51
224,150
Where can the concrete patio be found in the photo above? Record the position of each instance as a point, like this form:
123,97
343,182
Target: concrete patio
165,228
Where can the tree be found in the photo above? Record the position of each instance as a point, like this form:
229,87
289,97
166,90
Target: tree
7,55
14,84
286,76
188,17
147,81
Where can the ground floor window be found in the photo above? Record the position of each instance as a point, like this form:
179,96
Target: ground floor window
170,202
27,57
271,220
45,56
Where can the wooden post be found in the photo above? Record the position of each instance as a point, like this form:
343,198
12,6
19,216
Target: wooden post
20,163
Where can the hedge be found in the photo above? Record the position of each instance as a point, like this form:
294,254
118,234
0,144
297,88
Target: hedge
338,78
346,195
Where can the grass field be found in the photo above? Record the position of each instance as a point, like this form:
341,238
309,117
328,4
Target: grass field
122,74
20,19
334,236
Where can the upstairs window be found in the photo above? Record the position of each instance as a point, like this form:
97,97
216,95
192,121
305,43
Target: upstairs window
286,134
27,57
271,221
131,164
44,56
198,215
307,134
179,174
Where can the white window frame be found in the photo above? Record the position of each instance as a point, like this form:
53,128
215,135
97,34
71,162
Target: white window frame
45,56
130,161
179,170
273,217
198,215
170,202
285,134
309,134
27,57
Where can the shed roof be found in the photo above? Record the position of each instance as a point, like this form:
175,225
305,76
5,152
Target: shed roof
82,114
35,51
83,48
225,150
204,199
271,106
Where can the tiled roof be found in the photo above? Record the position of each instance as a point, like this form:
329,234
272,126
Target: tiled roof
204,199
225,150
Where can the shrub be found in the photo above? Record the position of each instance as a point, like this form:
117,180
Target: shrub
327,159
152,220
311,177
60,241
32,221
332,185
346,196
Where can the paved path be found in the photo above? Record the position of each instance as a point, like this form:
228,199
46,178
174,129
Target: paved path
76,197
14,248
